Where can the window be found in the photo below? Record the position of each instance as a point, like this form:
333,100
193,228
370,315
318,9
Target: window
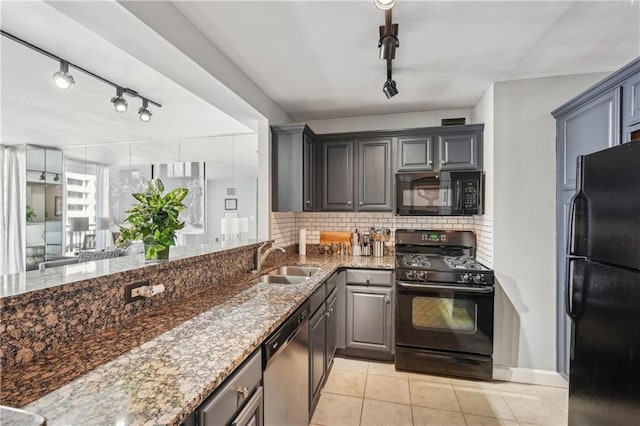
81,200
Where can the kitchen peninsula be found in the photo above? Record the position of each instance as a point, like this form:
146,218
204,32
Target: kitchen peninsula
156,367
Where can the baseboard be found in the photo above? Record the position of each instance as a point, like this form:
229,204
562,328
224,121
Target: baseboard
529,375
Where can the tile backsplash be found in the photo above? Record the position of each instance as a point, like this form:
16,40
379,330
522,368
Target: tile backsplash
285,226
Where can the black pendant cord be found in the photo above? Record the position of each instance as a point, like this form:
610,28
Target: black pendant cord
387,22
48,54
388,69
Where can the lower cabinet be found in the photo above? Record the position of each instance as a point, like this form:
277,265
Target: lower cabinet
322,340
368,319
239,401
317,354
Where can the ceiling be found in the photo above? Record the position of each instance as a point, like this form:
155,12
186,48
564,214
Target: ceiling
318,59
35,111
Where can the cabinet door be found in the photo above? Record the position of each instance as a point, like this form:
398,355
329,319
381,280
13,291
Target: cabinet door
589,128
308,174
337,175
369,318
317,352
374,175
332,327
459,151
631,101
415,153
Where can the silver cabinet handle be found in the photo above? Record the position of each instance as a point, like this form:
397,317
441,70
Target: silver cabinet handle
430,162
243,392
349,203
443,162
308,201
361,203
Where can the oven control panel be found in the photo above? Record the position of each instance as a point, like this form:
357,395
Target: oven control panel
434,237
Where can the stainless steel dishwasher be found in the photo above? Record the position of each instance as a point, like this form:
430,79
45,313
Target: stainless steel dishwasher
286,372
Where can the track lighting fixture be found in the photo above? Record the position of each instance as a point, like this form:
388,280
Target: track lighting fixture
43,176
387,45
118,101
63,79
56,178
145,114
384,4
389,88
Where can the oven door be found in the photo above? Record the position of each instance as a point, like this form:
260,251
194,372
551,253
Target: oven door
445,317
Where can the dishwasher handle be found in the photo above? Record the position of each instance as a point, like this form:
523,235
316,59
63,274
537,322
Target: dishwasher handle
285,333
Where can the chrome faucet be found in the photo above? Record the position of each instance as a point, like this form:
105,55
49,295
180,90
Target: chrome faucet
261,257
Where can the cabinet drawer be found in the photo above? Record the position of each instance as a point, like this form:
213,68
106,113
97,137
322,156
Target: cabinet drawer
369,277
317,298
233,394
332,282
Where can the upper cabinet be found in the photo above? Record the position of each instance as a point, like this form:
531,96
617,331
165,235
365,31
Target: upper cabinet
337,175
631,100
294,156
415,153
441,148
459,151
354,171
374,175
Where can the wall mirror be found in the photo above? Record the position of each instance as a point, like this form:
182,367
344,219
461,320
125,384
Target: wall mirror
80,160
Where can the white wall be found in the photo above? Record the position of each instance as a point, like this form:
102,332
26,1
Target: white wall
247,203
524,215
406,120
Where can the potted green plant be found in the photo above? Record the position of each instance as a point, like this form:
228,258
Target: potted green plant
154,220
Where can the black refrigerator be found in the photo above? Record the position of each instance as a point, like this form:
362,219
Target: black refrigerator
603,289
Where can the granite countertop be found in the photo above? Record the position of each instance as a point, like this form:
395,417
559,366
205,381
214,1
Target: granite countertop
31,281
162,380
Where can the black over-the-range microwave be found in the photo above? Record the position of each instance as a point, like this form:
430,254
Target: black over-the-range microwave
446,193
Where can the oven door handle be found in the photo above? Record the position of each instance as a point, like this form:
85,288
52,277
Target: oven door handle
430,287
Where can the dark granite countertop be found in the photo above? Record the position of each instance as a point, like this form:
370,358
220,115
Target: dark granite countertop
158,368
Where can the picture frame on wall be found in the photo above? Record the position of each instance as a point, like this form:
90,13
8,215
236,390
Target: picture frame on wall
58,207
231,204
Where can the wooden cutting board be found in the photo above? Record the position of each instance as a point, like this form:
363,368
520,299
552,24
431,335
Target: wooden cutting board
333,237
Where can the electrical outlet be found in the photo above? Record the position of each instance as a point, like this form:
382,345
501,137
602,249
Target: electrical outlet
131,291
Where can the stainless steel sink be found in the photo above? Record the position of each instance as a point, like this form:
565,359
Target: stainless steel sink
298,271
281,279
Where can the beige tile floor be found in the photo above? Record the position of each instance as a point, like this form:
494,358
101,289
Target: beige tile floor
371,393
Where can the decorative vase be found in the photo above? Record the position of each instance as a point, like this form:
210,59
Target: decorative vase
151,254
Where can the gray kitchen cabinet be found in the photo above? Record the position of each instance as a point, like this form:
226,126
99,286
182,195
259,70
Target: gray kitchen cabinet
459,151
415,153
630,106
332,327
294,153
368,319
337,175
603,116
375,188
317,354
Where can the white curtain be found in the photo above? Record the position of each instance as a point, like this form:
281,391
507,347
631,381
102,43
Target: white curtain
13,206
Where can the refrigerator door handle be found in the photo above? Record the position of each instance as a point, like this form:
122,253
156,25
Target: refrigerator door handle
573,290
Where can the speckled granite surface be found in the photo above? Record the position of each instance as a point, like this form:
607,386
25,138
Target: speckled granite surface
164,379
35,323
33,281
12,416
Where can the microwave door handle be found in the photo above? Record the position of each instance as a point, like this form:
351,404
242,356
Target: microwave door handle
458,195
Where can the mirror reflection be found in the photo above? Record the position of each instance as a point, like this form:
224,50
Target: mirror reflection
77,197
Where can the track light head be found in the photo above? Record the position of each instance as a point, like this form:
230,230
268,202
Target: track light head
63,79
43,176
144,112
387,46
56,178
118,101
390,89
384,4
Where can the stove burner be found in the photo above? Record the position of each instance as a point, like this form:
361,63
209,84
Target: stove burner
462,262
417,260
